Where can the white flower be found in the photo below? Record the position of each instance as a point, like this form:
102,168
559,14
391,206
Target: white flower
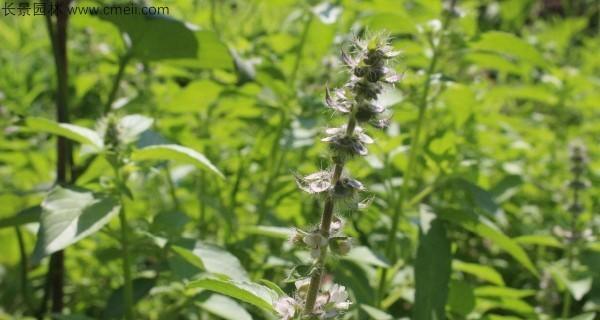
336,225
315,183
339,297
286,307
332,303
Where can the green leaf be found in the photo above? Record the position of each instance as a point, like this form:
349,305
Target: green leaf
115,307
66,130
273,286
580,287
461,298
480,196
212,259
73,317
224,307
153,37
503,292
585,316
509,46
363,255
540,240
486,229
131,126
246,291
375,313
396,22
269,231
69,215
432,272
212,53
197,96
26,216
176,153
480,271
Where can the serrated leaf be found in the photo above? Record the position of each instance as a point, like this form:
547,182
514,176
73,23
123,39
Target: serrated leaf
176,153
246,291
432,272
212,259
69,215
486,273
26,216
66,130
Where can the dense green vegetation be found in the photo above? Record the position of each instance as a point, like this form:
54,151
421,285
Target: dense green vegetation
153,167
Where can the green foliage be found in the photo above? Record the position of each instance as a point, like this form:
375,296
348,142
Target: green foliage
432,271
191,124
69,215
246,291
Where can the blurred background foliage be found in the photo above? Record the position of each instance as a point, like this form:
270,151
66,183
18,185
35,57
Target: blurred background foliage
516,81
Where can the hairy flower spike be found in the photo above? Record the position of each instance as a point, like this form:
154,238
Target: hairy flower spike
579,159
368,66
344,146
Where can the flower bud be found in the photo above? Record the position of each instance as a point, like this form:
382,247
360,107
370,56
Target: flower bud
341,246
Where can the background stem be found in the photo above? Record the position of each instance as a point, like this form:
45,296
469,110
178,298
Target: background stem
128,285
58,40
390,250
117,82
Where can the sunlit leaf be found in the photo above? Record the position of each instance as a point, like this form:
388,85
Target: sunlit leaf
66,130
69,215
363,254
224,307
131,126
176,153
212,259
375,313
246,291
483,272
509,45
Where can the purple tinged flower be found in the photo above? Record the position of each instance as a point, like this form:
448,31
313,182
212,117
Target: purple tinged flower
286,308
315,183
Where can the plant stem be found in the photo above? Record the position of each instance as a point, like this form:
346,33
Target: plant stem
172,190
315,279
58,40
326,218
24,266
128,285
123,60
413,152
300,49
570,254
